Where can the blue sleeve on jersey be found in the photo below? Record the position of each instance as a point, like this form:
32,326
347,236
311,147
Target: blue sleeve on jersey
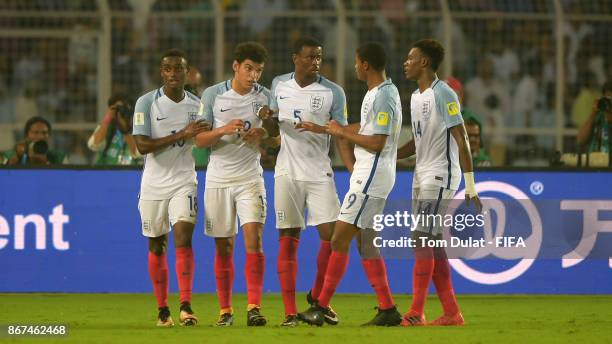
142,115
384,111
206,104
448,105
339,111
273,103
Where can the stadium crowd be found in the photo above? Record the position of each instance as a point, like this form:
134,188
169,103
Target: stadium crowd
504,68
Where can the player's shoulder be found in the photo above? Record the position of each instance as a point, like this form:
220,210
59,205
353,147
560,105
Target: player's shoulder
282,78
192,97
149,97
325,82
442,90
260,89
387,90
217,89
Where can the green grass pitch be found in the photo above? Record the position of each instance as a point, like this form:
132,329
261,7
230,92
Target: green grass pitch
130,318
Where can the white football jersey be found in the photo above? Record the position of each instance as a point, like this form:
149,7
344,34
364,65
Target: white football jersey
170,169
434,112
381,113
304,156
232,160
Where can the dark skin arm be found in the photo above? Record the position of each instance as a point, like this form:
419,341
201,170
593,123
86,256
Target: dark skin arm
345,147
373,143
346,153
407,150
269,123
209,138
465,159
147,145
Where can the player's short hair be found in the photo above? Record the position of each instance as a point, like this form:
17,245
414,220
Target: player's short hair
305,41
374,54
34,120
250,50
607,86
175,53
432,49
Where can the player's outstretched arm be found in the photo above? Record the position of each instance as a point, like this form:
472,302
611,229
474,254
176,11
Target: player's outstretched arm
312,127
209,138
146,144
373,143
465,160
407,150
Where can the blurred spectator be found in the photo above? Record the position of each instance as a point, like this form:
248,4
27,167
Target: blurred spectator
35,148
25,104
490,99
260,25
112,139
487,96
194,82
525,98
195,85
595,132
473,127
505,60
588,94
575,32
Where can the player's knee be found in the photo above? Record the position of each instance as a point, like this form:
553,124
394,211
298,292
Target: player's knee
224,246
290,232
339,244
367,250
254,245
157,247
326,231
182,240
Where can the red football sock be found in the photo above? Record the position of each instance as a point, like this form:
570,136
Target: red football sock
184,272
376,271
254,273
423,270
444,285
322,259
286,266
224,274
158,270
336,268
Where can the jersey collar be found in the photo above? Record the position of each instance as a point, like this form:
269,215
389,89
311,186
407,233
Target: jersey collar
160,93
